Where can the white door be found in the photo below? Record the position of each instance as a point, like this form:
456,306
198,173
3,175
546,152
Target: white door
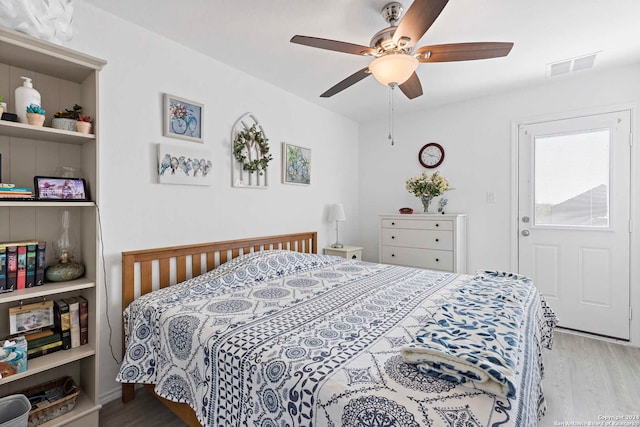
573,218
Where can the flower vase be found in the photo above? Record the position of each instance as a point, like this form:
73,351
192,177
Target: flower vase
426,201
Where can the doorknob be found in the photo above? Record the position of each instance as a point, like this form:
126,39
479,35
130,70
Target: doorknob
525,219
525,233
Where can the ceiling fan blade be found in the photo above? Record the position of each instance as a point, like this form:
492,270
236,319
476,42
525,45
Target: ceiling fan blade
463,51
349,81
334,45
417,20
412,88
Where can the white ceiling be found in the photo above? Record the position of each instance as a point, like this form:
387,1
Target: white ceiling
253,36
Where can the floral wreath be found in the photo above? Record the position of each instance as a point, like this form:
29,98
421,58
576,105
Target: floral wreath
242,143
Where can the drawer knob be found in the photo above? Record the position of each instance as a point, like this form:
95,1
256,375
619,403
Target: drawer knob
437,259
437,240
437,225
393,223
393,255
354,256
393,237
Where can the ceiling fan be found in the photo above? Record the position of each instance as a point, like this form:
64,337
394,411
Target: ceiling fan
393,48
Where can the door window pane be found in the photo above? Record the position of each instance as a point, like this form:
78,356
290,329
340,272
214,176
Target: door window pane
571,179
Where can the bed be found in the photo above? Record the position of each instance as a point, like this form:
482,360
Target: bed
266,332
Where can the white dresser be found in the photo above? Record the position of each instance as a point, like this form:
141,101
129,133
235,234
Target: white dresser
433,241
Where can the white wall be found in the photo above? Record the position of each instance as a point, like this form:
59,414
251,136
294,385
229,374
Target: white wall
476,136
138,213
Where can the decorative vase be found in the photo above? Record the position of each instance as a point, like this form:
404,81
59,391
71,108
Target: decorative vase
83,127
426,201
35,119
63,123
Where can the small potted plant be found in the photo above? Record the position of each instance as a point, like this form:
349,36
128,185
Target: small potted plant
66,119
84,124
35,115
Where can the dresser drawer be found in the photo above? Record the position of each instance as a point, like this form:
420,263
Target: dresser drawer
426,239
431,224
422,258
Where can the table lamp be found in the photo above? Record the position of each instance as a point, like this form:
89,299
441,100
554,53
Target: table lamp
336,213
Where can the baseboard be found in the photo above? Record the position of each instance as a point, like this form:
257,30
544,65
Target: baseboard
110,396
595,337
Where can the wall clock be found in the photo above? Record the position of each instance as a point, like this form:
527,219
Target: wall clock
431,155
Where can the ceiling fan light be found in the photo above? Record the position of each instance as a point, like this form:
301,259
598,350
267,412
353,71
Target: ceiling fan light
393,68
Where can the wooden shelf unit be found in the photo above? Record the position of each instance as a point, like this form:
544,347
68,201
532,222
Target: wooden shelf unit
63,77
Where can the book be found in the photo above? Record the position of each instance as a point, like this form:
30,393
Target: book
6,185
41,250
39,334
74,315
12,267
17,196
84,320
22,267
15,189
44,350
3,268
45,340
31,265
62,321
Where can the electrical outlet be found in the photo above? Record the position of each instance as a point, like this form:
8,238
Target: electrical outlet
491,196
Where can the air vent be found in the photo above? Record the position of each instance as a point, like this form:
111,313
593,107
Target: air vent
572,65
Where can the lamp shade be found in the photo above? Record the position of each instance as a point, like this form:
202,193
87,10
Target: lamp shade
336,212
393,68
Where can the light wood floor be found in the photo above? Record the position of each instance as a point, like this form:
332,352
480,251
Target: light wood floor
584,379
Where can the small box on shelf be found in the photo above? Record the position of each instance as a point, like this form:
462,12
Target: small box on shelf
13,356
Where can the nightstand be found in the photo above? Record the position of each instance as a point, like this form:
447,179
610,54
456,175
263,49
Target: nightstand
348,252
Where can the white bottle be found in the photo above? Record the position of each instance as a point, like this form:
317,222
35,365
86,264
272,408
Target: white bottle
25,96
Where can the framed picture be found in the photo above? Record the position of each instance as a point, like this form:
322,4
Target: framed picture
182,118
178,165
56,188
296,164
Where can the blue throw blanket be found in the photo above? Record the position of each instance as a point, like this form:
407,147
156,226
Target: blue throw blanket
473,340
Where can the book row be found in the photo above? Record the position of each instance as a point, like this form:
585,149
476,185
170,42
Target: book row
43,328
70,329
10,191
22,265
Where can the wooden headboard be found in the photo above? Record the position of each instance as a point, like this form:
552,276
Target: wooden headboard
168,266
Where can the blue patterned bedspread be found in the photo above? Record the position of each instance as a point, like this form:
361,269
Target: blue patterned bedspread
288,339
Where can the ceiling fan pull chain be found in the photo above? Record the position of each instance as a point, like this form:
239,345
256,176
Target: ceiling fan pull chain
391,87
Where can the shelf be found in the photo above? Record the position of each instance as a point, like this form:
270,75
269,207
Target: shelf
44,57
23,130
41,204
51,361
46,290
68,77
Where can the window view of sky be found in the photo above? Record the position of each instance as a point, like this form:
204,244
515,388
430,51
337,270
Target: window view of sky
570,164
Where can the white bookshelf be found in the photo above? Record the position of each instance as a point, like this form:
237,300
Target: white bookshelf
63,77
